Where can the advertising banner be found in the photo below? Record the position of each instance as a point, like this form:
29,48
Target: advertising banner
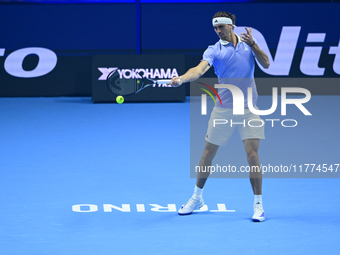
153,67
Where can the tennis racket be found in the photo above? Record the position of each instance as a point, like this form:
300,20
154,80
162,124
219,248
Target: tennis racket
127,87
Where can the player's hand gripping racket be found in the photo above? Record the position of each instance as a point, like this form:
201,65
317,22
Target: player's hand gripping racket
127,87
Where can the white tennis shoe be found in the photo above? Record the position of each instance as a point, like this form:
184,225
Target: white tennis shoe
190,206
258,213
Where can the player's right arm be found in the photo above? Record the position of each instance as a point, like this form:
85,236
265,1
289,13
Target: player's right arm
192,74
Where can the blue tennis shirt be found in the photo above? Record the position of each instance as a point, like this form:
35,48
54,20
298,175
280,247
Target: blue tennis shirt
233,66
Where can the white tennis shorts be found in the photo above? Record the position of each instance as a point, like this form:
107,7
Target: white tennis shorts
222,124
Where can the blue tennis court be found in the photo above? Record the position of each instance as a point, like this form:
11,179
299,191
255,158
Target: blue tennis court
84,178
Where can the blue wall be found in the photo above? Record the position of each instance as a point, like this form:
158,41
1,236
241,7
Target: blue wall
183,26
75,32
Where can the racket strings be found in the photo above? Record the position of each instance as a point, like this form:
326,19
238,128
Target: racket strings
123,86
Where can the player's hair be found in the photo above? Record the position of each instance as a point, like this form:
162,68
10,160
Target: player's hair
226,15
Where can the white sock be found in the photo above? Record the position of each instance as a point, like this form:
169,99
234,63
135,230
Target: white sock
198,192
258,199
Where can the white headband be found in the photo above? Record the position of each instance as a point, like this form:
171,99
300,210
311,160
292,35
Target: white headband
222,20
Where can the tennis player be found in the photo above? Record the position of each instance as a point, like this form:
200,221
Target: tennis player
233,60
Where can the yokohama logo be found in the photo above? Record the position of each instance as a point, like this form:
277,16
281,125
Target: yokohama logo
137,73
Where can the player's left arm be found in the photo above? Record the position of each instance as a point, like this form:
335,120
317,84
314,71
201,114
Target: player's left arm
259,54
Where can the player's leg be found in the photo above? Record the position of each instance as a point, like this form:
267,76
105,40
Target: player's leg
251,147
251,136
217,135
209,153
196,201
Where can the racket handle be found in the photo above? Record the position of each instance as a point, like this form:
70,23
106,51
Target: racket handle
163,81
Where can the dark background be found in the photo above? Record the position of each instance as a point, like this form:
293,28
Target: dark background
76,32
